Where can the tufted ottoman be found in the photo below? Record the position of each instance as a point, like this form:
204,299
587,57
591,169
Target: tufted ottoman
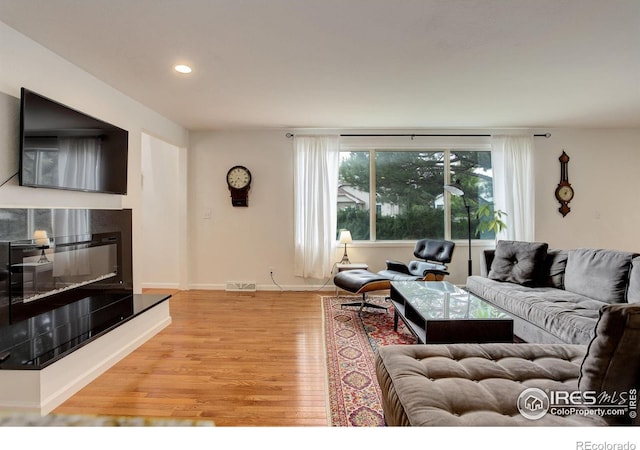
480,384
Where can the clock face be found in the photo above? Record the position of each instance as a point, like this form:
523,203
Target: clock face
238,177
565,193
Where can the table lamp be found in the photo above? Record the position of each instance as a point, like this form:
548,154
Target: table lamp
345,238
41,239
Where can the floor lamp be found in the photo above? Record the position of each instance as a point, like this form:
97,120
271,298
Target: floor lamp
456,189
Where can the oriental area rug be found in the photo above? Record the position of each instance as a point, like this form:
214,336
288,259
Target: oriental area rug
355,399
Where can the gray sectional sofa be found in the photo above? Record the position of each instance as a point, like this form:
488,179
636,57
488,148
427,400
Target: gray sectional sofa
554,295
499,384
579,313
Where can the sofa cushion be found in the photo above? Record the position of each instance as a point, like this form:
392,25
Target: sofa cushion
567,317
612,362
633,293
599,274
474,384
518,262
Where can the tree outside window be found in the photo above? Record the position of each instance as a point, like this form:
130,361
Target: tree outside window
472,169
354,196
409,190
410,202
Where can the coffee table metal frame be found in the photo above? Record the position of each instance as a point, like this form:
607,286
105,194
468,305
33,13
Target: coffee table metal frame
440,312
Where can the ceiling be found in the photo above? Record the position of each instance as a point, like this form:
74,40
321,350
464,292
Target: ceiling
355,63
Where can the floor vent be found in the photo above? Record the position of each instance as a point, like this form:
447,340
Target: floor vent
244,286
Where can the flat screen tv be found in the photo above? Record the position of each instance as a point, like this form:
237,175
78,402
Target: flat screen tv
61,148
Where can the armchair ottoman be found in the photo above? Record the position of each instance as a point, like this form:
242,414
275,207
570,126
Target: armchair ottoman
361,281
434,253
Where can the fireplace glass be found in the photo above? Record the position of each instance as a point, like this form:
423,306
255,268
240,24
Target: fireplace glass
39,271
49,272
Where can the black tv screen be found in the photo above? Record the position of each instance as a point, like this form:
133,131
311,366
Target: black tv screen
61,148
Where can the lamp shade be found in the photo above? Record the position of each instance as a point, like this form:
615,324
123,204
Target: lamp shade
345,237
454,189
40,237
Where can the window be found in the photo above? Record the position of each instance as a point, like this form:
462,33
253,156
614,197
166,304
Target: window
20,223
41,160
354,197
406,188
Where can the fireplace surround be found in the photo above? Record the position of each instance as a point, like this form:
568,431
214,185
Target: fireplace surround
68,310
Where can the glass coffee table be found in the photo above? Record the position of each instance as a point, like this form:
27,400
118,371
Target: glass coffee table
438,312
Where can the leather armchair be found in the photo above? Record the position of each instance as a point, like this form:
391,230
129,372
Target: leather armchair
433,256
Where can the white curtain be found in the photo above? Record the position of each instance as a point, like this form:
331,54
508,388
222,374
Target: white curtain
71,223
317,160
514,186
79,162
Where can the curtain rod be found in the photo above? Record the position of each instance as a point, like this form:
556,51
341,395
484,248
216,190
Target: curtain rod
545,135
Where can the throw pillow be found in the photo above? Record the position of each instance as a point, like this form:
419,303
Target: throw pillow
598,274
633,293
519,262
612,363
555,266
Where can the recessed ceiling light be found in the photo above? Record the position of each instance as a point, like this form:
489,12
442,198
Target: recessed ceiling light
182,68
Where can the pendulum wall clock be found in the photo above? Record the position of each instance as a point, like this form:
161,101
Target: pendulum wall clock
239,183
564,191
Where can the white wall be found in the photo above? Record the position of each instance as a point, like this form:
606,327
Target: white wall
163,210
25,63
241,244
603,170
229,243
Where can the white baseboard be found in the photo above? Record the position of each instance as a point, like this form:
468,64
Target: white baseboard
152,285
265,287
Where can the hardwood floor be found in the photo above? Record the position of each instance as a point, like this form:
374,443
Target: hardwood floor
239,359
